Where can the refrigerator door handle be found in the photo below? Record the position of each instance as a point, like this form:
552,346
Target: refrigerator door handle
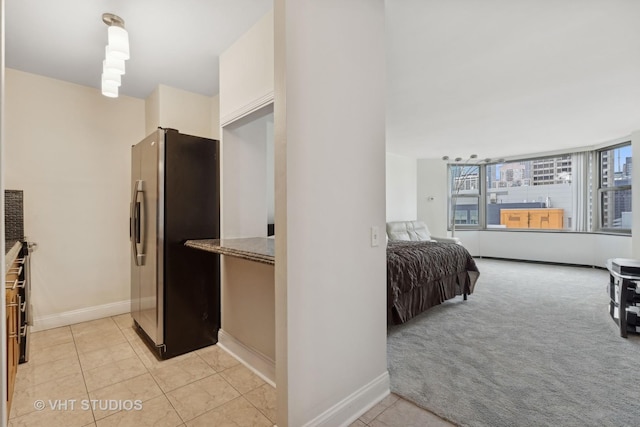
132,223
139,234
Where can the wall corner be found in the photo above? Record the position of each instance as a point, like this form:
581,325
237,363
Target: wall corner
635,198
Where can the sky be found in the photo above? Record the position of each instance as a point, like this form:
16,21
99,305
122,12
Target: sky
621,157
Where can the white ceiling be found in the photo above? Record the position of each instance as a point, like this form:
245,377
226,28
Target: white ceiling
507,77
492,77
176,43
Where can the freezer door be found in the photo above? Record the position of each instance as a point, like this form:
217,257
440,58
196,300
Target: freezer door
146,235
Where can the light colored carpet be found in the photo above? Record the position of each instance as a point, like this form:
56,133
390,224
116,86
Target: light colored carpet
533,346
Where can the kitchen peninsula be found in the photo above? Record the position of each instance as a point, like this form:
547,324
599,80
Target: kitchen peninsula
259,249
248,299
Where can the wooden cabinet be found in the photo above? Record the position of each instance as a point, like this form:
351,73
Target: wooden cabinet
533,218
12,302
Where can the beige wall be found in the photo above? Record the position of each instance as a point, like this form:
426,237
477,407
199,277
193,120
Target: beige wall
248,302
215,117
152,111
68,148
248,288
190,113
246,72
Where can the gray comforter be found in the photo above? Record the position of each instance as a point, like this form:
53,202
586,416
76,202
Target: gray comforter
423,274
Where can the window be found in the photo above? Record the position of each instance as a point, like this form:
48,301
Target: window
614,192
583,191
530,193
464,184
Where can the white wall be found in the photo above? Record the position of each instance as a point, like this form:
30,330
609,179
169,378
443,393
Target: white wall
244,175
432,195
401,181
330,162
635,196
246,69
609,246
270,183
571,248
68,147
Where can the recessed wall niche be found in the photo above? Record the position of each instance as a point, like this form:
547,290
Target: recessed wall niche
248,175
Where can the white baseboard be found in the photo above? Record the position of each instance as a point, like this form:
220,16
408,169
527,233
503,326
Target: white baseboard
82,315
262,365
353,406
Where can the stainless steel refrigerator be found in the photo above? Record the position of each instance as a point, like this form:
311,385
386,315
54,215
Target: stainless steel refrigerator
175,290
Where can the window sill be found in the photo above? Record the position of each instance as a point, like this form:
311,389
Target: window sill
533,230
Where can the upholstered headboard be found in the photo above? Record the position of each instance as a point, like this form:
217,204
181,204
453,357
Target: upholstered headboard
408,230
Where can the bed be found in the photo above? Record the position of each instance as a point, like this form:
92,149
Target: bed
423,272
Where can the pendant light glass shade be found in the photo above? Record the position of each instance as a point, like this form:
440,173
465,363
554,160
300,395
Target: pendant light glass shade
113,65
109,88
111,77
118,47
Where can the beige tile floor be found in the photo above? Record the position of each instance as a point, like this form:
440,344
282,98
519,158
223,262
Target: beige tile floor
101,374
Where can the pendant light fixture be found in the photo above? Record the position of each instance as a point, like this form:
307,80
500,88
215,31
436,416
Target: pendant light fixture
116,52
109,88
112,64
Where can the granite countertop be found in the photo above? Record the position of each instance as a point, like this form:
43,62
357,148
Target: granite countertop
259,249
12,253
